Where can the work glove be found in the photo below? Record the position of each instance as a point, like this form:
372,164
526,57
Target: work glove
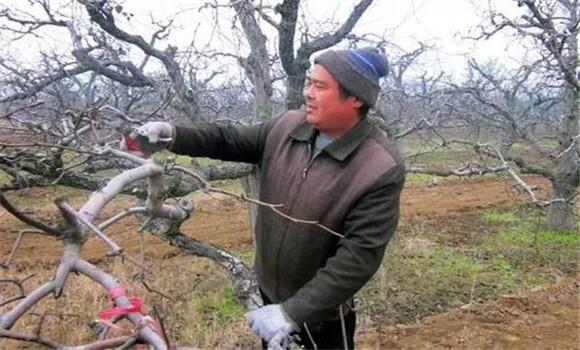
157,132
280,341
269,321
152,137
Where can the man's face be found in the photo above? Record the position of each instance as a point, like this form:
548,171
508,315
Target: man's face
325,109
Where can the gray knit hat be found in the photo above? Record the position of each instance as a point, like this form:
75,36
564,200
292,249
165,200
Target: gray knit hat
358,71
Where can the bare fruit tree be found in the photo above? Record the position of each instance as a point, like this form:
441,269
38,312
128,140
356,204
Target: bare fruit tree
63,155
552,28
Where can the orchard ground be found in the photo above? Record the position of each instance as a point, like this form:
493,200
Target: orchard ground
471,267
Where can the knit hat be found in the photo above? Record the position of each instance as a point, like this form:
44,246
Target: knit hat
358,71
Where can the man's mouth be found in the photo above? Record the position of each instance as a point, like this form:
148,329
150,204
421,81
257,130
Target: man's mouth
310,108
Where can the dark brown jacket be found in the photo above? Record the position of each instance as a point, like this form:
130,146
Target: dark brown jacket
352,187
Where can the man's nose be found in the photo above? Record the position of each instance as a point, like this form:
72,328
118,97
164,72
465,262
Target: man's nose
308,92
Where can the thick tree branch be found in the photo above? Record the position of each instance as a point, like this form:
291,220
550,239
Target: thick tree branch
104,18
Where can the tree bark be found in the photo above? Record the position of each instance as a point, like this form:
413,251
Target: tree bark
567,176
560,214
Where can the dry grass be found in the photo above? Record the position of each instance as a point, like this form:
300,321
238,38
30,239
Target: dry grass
201,305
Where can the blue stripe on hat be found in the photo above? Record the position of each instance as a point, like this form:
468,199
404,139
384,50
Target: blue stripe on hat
369,62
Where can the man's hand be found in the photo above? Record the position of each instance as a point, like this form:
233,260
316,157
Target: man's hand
157,132
269,321
280,341
154,136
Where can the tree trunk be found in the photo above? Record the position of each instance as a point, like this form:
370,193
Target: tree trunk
564,186
257,68
294,88
567,177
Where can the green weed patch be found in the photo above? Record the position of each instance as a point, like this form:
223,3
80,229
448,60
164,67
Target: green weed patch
218,307
428,272
211,311
524,236
494,216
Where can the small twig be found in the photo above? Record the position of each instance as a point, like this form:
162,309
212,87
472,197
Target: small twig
310,336
30,338
112,326
64,170
119,113
161,321
308,222
196,283
128,344
152,290
38,330
19,283
163,105
568,149
51,314
527,188
102,226
11,300
70,210
7,115
47,145
206,186
343,327
17,245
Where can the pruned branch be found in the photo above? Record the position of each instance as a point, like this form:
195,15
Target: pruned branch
467,170
27,220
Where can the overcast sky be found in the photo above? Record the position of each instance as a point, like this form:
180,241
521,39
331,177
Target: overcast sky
440,23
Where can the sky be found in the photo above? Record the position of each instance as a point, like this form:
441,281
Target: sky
442,24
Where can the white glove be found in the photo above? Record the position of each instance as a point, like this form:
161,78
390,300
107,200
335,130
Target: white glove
157,132
280,341
152,137
269,321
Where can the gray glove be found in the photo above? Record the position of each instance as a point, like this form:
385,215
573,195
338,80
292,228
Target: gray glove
269,321
155,136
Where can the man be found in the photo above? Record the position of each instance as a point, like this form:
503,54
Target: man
326,164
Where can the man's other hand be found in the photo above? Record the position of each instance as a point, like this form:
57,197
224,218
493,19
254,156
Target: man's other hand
270,320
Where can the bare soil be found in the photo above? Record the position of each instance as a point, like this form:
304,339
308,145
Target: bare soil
541,319
545,318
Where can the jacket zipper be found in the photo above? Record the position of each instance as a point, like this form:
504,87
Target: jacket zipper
290,209
309,164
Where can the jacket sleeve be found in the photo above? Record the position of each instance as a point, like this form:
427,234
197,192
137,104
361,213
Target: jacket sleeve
368,228
232,142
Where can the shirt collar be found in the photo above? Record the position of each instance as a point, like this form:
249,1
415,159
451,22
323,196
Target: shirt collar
341,147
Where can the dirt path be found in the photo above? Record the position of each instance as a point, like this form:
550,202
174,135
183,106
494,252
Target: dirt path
541,319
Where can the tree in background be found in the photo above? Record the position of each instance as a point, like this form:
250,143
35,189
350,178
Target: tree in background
552,28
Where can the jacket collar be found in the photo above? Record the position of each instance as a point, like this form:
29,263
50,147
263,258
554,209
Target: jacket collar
341,147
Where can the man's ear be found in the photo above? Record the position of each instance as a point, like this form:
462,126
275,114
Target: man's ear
357,103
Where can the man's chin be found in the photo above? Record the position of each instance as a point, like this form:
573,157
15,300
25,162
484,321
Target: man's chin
310,118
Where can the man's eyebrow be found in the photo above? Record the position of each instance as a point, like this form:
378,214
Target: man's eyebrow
316,81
